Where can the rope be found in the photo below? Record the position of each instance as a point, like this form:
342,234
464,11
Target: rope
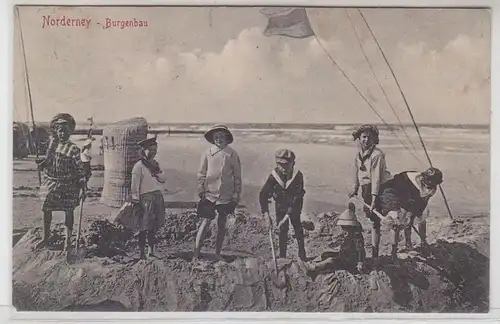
378,82
361,94
35,131
409,110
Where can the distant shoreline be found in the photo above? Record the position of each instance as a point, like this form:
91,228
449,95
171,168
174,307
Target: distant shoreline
305,126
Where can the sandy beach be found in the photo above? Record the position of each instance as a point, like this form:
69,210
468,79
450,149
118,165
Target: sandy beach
327,168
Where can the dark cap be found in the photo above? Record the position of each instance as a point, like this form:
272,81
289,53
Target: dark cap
284,156
148,142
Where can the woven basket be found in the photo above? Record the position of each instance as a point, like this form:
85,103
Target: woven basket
121,152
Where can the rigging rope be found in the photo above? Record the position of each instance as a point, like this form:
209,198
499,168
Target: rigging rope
361,94
409,110
379,84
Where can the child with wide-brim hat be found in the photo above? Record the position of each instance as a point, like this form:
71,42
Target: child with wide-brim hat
218,185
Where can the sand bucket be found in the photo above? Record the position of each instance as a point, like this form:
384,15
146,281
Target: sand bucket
121,152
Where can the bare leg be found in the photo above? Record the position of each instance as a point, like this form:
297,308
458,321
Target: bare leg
299,234
375,239
221,233
408,243
151,241
395,241
422,229
69,221
142,244
202,231
47,220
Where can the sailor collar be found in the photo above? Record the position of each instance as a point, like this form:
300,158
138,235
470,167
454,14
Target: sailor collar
280,181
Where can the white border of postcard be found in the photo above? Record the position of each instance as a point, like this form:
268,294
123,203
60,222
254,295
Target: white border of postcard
8,313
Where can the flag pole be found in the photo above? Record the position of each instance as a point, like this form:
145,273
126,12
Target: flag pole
35,131
409,110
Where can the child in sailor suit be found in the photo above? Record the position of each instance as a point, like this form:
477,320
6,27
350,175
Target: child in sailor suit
285,185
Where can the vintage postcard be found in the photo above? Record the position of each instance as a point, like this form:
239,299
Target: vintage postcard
267,159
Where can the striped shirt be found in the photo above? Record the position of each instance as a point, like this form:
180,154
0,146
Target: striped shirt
63,162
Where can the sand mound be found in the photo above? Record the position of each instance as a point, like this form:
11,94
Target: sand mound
446,277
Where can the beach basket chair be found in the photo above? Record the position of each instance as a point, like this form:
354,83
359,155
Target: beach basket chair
121,152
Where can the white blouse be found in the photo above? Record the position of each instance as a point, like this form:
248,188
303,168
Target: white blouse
143,182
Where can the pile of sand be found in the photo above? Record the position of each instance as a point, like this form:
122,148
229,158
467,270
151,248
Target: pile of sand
446,277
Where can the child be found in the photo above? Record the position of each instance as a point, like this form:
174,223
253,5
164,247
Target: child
370,172
352,246
147,197
286,185
219,185
63,186
410,192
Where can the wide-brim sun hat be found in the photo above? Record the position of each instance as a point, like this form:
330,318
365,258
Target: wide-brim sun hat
209,135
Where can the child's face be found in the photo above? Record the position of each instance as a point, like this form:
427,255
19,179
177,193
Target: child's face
220,139
151,151
63,132
366,140
285,167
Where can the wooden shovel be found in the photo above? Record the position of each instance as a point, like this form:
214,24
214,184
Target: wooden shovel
383,217
77,254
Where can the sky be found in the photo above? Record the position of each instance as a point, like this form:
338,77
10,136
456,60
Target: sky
215,65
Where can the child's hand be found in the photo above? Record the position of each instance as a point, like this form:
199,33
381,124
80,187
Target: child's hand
372,205
360,266
353,193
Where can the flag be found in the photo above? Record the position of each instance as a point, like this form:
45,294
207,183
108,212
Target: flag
290,22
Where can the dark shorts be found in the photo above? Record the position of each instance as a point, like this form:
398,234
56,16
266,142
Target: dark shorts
208,209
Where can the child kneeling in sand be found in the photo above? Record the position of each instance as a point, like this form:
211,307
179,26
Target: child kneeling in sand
286,185
219,185
352,247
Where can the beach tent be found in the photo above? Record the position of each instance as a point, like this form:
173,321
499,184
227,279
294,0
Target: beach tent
21,140
42,137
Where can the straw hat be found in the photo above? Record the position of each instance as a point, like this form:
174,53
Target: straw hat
209,135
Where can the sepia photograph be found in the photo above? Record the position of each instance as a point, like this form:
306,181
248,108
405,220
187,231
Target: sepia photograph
251,159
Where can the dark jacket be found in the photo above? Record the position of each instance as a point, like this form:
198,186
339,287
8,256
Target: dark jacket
400,192
287,195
